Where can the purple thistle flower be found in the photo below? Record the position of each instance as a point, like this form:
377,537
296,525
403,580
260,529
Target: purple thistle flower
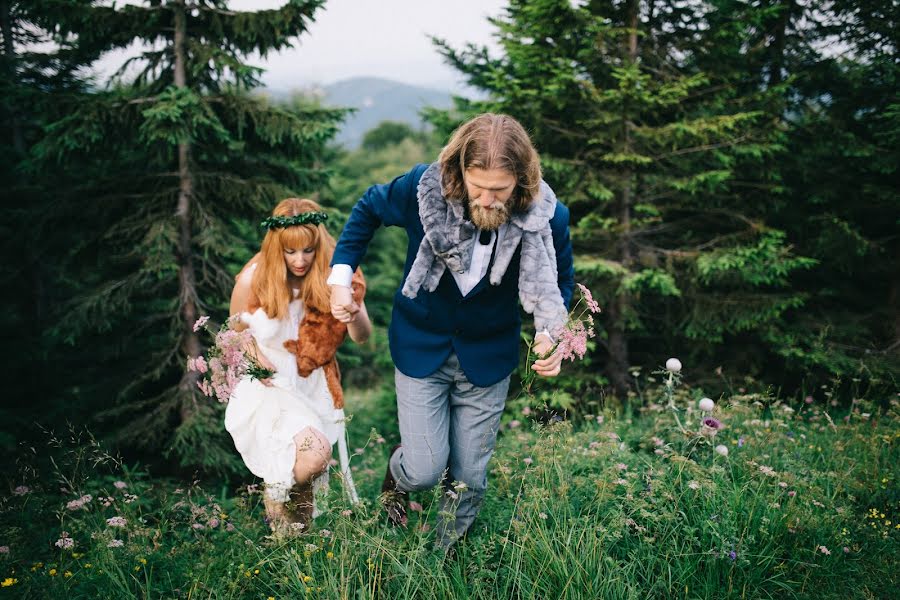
732,555
712,423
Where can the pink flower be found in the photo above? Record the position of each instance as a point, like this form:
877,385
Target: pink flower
200,365
621,467
514,423
767,471
120,485
589,299
824,550
791,494
526,411
65,542
21,490
200,323
213,523
527,460
4,549
415,507
205,388
116,522
115,544
79,503
346,513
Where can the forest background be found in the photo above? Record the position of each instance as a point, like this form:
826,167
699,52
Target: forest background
730,168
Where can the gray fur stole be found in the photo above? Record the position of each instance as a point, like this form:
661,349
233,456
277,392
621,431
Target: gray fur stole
448,243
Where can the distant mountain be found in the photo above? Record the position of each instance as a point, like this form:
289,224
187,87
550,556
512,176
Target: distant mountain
377,100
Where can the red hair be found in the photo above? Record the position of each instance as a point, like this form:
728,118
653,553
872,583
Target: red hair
270,278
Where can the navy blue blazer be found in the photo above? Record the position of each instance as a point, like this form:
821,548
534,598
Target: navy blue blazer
483,327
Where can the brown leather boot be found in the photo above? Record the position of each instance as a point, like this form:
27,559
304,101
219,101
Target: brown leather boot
300,506
394,500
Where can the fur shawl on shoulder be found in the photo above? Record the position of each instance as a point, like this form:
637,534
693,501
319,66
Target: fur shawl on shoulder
448,244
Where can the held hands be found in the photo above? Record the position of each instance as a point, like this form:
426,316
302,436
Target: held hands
343,308
549,366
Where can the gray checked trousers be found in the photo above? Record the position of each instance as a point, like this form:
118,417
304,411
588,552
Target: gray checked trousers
448,428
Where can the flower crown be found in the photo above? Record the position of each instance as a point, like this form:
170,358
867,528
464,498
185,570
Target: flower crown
307,218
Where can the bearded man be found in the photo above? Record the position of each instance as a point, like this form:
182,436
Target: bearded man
485,233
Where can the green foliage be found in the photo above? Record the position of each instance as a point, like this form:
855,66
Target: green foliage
175,171
662,164
805,504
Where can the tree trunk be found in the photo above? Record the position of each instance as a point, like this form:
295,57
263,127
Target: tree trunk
617,368
9,54
778,45
187,292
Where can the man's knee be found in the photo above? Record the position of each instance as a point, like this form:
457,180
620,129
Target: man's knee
420,475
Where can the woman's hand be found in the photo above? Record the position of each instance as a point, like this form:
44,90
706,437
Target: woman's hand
548,366
360,327
343,308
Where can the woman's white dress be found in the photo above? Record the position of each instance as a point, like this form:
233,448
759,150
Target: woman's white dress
263,420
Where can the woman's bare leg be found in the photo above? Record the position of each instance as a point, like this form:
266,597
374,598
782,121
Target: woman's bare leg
313,455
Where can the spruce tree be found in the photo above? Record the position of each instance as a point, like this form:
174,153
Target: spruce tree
39,84
180,160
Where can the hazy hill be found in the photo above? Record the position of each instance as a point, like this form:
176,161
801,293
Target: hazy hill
377,100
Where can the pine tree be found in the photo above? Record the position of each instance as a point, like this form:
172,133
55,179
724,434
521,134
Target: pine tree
39,84
665,168
178,161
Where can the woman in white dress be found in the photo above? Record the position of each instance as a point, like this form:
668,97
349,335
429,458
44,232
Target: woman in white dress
284,426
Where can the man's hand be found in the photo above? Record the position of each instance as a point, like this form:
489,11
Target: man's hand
343,308
549,366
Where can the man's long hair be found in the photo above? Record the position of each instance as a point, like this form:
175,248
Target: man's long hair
270,279
491,141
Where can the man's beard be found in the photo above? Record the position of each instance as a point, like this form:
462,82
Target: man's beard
488,218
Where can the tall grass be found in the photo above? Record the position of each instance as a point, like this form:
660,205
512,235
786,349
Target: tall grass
805,505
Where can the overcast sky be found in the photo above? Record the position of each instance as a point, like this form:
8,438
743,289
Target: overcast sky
380,38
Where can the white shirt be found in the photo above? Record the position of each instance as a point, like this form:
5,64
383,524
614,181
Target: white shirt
465,281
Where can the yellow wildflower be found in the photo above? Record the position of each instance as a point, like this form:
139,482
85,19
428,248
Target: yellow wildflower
256,571
9,581
67,574
330,555
143,561
307,579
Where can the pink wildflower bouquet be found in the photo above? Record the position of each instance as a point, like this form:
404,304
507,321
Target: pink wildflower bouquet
572,338
227,362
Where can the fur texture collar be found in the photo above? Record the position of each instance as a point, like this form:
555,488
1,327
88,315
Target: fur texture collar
448,243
